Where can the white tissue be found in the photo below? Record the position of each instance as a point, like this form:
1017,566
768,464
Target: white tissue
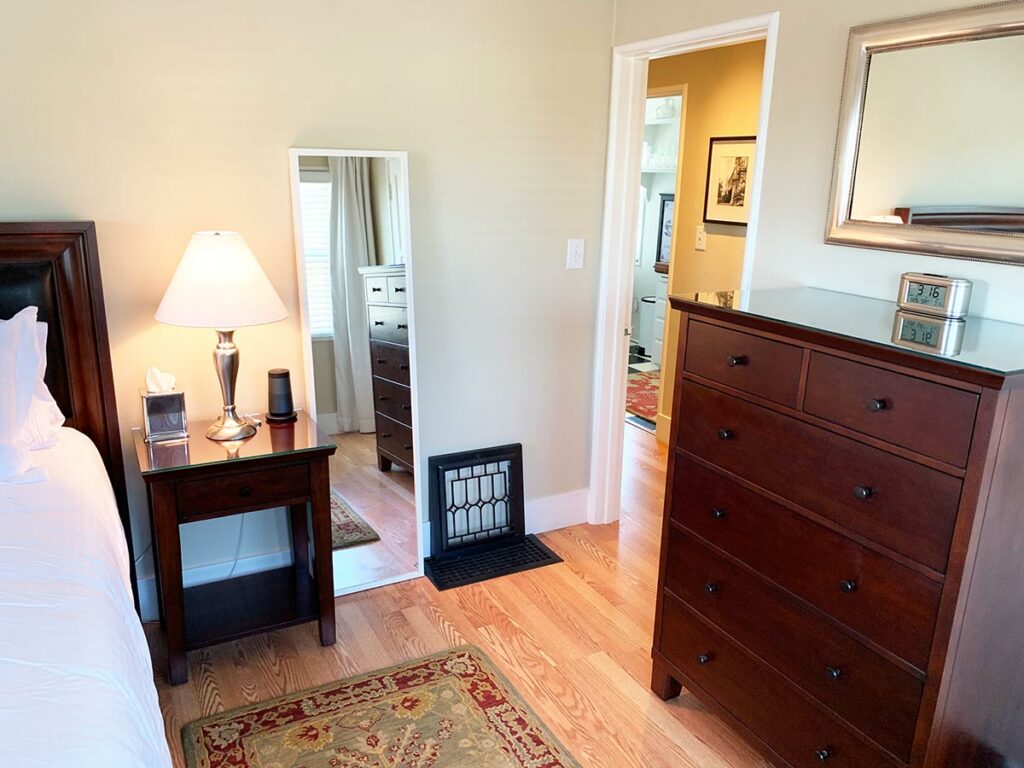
159,381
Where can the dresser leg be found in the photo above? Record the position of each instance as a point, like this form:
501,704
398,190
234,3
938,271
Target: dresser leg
383,463
663,684
320,508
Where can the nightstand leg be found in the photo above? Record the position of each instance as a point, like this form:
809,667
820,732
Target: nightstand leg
300,540
167,541
323,556
383,462
662,683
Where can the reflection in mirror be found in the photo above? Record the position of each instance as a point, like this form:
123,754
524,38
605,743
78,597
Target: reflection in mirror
940,137
352,247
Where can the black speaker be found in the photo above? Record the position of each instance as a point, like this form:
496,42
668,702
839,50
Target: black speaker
280,406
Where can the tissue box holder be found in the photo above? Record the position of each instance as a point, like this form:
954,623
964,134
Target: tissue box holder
163,416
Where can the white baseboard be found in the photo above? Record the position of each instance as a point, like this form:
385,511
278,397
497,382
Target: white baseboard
204,574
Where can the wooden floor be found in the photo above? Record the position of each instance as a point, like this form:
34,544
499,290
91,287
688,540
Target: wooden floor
574,638
386,501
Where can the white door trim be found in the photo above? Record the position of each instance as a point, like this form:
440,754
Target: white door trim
622,181
307,340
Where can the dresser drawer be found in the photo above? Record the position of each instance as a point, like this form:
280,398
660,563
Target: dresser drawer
389,324
376,288
395,438
393,400
390,362
262,489
870,693
396,289
759,697
895,502
743,361
920,415
892,605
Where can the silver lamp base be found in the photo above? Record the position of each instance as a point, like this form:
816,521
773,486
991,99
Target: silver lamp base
225,359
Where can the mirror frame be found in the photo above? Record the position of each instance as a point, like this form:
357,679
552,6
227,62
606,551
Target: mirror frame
982,22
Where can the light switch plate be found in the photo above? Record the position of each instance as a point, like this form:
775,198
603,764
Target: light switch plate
701,243
574,254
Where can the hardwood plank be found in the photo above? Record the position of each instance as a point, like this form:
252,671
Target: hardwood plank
574,638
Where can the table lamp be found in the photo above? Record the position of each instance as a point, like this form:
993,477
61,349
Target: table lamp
219,284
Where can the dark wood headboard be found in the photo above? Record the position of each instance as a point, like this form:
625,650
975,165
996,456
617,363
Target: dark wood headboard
56,267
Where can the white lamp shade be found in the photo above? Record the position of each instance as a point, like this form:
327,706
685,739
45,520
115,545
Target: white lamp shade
220,284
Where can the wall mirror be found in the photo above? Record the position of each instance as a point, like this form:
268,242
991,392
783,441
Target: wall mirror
353,256
929,152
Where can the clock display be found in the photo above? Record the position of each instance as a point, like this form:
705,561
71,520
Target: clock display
920,332
926,295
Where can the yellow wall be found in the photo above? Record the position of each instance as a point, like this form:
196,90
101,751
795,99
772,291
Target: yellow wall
723,96
156,119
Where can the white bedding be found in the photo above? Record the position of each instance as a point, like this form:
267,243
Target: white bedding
76,681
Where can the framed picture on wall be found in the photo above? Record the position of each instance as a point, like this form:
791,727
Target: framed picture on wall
665,219
730,166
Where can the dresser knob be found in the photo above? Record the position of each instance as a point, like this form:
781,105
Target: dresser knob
383,398
407,447
834,673
733,360
377,322
711,587
703,658
385,435
375,290
403,367
401,327
877,405
725,434
863,492
245,491
823,754
381,361
848,585
399,290
718,513
406,407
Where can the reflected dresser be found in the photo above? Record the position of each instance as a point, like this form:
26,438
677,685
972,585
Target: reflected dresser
387,312
842,558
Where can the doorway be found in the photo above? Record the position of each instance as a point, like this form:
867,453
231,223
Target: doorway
628,111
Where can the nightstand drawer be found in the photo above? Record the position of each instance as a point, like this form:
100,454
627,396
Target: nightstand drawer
270,487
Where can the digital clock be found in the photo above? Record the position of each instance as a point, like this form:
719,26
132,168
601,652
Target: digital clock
936,295
940,336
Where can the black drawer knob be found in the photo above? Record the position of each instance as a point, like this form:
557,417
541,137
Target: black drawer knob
381,361
403,367
383,398
401,327
377,322
399,290
863,492
733,360
385,435
877,405
834,673
245,491
406,407
407,447
726,434
718,513
823,754
711,587
375,290
703,658
848,585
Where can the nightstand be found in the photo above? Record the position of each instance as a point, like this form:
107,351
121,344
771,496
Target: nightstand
199,479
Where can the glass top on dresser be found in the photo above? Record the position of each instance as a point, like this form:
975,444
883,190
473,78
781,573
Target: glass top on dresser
301,435
989,345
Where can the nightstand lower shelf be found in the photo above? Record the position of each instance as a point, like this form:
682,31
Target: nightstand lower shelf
226,610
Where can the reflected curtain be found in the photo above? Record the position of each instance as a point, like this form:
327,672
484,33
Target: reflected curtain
351,246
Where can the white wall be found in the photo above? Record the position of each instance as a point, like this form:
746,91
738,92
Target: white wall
158,119
942,126
800,143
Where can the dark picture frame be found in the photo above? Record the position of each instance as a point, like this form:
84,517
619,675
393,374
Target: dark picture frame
664,249
726,199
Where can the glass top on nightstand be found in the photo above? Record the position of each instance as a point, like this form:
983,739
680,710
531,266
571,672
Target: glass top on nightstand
300,436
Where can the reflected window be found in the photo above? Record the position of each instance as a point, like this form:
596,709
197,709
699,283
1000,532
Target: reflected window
315,196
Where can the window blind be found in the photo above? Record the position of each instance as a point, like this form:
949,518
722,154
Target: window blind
315,199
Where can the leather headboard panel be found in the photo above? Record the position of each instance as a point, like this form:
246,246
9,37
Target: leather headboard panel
33,283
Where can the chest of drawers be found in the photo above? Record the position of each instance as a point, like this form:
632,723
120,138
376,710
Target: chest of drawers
844,527
388,317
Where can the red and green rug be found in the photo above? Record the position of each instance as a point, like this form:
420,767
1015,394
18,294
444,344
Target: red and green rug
449,710
347,528
642,394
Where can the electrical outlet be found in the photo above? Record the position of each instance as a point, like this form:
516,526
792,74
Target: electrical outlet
701,243
574,254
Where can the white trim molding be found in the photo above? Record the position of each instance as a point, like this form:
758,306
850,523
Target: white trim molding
622,181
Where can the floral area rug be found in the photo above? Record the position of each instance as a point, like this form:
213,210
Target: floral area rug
449,710
348,528
642,394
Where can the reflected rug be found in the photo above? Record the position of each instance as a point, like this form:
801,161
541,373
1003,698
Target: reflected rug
642,394
449,710
347,527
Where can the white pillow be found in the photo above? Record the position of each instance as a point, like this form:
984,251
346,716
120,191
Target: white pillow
42,425
19,373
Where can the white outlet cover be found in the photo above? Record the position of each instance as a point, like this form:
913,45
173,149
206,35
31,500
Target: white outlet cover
701,242
574,253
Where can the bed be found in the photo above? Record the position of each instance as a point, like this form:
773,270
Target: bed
76,679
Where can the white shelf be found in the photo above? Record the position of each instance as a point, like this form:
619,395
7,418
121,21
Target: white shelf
657,170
